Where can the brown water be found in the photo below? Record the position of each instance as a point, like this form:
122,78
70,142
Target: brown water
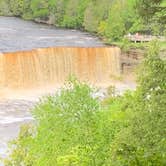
52,66
27,75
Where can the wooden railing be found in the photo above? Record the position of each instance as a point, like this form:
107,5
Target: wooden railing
144,38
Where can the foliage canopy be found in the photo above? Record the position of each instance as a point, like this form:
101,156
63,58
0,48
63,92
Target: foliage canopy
111,19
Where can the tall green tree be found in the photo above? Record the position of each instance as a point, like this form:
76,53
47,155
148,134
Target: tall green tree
147,8
16,7
95,13
40,9
143,142
154,14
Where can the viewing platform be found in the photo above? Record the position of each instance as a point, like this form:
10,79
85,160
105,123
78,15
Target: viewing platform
144,38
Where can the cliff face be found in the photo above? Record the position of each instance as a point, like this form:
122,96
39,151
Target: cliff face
52,66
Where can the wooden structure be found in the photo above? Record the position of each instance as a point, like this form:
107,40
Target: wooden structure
144,38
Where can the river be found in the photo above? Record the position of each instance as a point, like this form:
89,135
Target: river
19,35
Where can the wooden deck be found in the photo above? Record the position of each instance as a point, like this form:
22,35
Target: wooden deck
144,38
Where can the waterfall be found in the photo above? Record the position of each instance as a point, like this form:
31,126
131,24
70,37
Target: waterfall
52,66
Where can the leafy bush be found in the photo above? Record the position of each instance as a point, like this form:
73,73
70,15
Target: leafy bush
70,129
74,13
16,7
115,24
40,9
27,11
143,142
4,8
109,19
95,13
91,18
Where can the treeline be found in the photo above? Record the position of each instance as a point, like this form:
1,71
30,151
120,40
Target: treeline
111,19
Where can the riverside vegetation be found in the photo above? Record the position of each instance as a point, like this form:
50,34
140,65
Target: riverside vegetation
73,128
110,19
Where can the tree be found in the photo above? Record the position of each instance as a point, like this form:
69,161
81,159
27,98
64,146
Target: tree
153,12
143,142
115,27
16,7
40,9
95,13
74,13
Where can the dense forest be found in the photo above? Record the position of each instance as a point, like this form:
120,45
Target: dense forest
110,19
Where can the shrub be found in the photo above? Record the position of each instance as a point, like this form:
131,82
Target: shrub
4,8
71,130
58,11
20,148
74,13
40,9
115,27
143,142
16,7
95,13
27,11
